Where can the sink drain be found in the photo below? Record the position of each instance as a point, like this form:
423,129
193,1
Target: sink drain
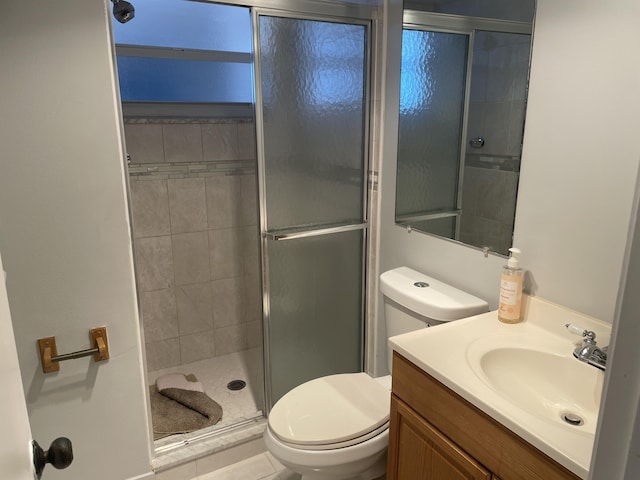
572,419
236,385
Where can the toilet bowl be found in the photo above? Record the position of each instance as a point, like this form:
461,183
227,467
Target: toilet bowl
332,427
337,427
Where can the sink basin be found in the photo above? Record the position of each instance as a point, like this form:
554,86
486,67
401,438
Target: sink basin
554,387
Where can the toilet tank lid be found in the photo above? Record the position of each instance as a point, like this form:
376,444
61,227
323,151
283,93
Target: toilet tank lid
438,300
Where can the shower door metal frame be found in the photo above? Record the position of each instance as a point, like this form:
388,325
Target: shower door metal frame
321,13
446,23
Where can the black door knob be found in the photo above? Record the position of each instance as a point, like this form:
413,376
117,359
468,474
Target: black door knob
60,455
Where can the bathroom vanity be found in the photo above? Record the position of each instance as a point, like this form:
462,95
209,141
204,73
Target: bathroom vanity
435,433
479,399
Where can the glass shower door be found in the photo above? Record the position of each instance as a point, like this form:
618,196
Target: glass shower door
311,107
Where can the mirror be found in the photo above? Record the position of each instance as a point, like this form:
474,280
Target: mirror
463,84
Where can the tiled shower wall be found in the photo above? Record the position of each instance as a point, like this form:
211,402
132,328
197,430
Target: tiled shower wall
489,207
496,113
194,205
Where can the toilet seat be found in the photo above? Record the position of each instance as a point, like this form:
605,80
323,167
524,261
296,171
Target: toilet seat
331,412
333,446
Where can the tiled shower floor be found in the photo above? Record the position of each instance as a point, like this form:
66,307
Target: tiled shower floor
215,373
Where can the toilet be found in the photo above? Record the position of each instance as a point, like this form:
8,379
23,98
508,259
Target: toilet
337,427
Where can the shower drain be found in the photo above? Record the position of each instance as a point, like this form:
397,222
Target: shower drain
236,385
572,419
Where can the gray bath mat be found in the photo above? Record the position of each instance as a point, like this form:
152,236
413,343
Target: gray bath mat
189,411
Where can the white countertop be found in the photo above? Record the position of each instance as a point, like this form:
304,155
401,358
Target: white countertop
446,352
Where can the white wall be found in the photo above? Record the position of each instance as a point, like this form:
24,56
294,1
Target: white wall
64,233
578,168
581,151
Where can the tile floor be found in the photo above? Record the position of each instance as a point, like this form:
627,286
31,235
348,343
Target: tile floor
215,373
258,467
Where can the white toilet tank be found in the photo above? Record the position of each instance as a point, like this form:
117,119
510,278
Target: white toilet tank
413,300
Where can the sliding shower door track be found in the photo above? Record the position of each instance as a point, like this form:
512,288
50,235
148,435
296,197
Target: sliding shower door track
199,437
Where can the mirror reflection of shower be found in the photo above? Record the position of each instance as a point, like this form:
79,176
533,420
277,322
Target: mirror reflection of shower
462,106
187,91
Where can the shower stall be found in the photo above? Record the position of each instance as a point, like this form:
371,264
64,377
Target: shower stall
247,135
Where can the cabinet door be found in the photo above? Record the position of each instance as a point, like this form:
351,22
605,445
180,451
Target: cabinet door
417,451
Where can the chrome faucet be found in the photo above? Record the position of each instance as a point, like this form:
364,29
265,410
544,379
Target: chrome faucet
588,352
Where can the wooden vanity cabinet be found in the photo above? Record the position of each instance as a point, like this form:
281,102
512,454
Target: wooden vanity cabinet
422,452
437,435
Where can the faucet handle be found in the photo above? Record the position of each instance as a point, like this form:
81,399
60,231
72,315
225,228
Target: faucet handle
589,336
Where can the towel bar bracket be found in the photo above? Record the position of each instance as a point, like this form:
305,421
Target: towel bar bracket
50,359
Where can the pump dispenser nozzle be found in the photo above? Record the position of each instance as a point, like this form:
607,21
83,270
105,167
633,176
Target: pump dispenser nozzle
513,259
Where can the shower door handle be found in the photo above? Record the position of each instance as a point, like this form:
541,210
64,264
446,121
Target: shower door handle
294,234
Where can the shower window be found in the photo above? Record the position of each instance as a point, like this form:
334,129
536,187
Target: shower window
187,24
186,52
144,79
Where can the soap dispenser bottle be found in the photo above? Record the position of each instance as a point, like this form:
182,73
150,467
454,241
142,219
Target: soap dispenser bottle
510,306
